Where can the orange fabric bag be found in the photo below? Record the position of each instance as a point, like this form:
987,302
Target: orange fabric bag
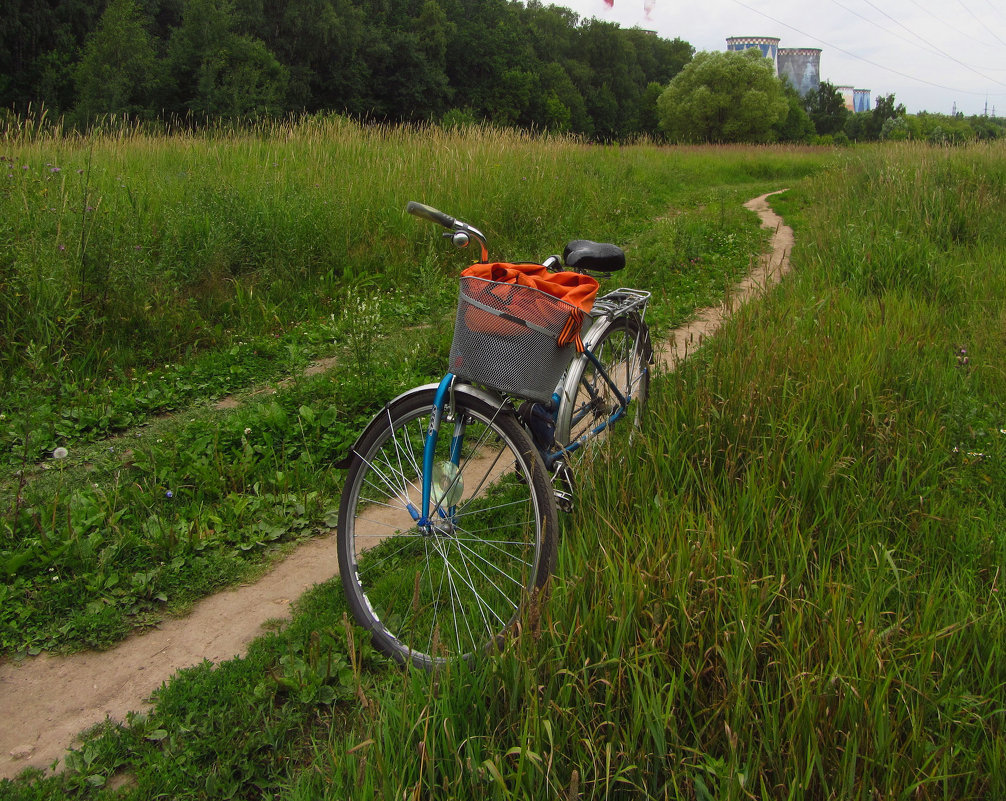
575,289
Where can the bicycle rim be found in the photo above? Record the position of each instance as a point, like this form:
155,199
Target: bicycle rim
455,589
624,352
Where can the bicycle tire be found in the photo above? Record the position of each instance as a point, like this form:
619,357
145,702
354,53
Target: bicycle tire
456,590
623,348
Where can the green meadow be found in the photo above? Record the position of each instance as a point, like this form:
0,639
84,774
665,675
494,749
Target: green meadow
787,585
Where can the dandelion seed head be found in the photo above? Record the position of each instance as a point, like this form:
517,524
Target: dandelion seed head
60,453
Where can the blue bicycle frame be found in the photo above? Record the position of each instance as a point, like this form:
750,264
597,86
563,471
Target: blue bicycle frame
550,458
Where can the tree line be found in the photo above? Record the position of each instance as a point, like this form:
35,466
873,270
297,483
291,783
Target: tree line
500,61
737,97
446,61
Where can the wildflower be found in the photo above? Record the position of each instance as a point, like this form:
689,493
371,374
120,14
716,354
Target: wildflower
247,431
55,170
60,453
169,495
61,248
80,172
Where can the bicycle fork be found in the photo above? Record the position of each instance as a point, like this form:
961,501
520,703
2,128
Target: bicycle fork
449,486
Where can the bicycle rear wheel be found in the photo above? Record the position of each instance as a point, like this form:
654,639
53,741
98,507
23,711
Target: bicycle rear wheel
456,588
624,351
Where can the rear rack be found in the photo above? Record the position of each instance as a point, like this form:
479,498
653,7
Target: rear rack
621,301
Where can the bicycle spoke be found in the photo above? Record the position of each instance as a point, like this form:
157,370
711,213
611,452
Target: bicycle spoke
452,588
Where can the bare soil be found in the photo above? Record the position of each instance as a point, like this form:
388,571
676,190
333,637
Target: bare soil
46,701
772,265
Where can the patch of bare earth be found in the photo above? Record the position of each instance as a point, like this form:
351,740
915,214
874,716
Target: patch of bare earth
45,701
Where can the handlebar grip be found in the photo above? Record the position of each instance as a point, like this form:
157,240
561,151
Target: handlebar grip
430,213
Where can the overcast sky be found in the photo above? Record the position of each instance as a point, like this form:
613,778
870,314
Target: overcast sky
929,53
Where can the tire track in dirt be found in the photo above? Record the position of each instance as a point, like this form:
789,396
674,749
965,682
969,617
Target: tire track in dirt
46,701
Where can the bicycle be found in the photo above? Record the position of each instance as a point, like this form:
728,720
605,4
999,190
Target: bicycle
443,541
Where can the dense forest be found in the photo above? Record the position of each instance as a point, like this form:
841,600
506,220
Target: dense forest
385,60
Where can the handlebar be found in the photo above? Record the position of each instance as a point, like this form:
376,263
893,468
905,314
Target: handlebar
431,214
462,230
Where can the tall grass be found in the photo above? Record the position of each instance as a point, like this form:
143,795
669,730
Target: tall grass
258,251
126,248
791,585
788,585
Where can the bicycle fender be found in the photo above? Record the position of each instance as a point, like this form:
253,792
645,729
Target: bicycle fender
460,389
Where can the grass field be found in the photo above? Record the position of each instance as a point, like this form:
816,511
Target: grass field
787,586
230,261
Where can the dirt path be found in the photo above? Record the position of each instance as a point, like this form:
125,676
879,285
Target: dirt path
772,265
47,700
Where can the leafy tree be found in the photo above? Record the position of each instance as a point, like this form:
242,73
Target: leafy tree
40,42
118,67
319,43
649,119
723,97
883,110
795,126
855,126
895,129
240,78
527,64
603,107
217,70
556,82
826,108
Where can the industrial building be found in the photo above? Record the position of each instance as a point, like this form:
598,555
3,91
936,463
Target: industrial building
800,65
768,45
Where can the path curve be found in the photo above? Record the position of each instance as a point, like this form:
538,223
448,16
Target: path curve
46,701
773,264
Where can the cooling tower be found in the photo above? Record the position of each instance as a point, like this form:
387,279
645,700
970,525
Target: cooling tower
768,45
861,99
848,95
802,66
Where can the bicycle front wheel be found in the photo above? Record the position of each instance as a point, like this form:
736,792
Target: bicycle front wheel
453,588
589,403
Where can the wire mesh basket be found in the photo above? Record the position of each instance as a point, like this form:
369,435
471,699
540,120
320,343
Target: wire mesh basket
506,337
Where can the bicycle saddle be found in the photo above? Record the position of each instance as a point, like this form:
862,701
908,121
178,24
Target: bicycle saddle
582,254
